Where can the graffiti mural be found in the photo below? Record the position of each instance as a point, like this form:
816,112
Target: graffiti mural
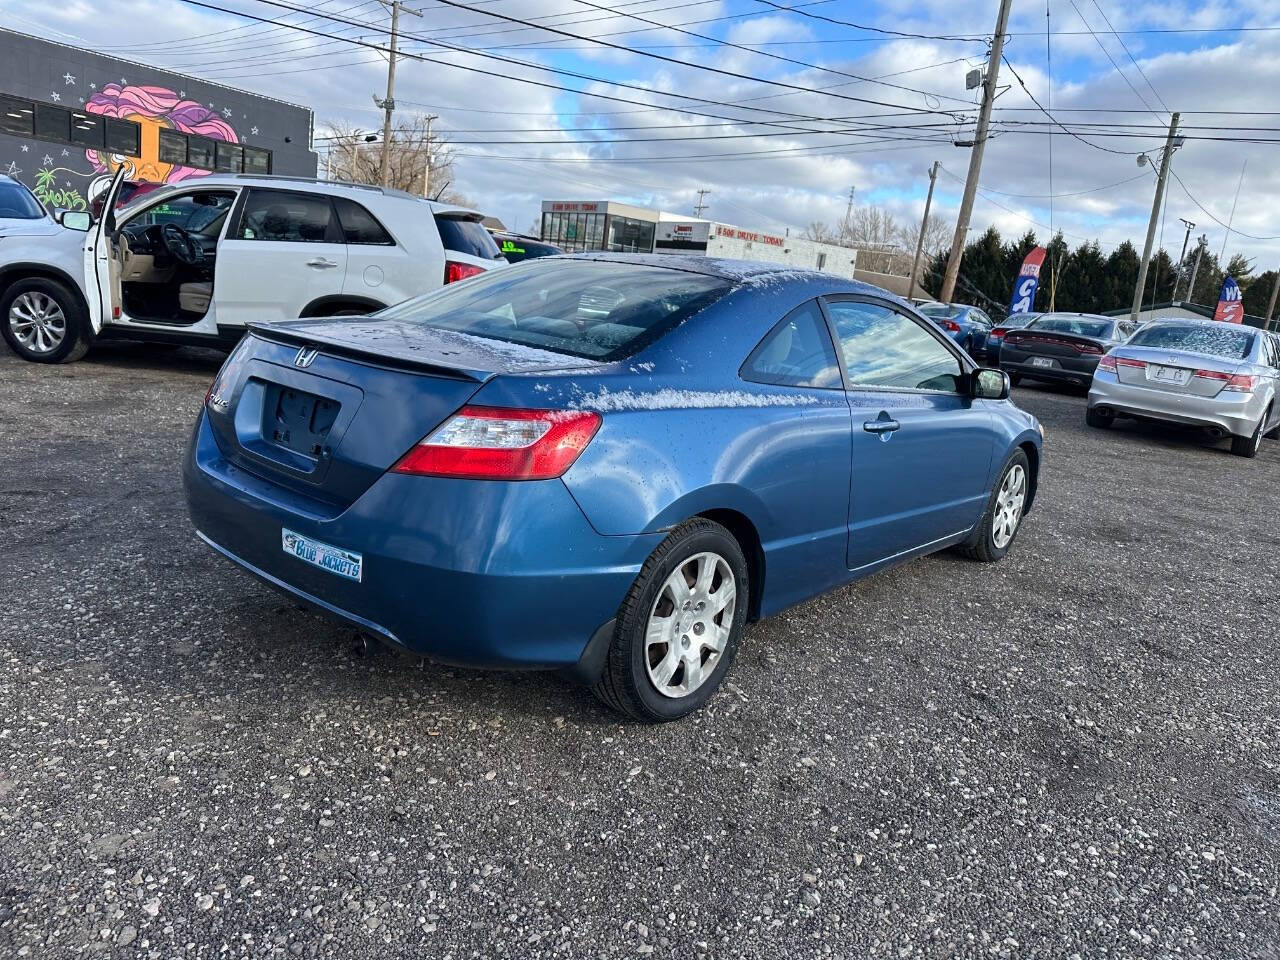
153,108
67,166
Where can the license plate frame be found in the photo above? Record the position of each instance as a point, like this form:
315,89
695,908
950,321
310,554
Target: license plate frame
335,560
1043,362
1174,376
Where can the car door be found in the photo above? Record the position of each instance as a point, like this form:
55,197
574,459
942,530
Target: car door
922,447
101,279
284,252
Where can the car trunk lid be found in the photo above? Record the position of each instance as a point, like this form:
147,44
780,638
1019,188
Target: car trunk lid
1046,343
1194,374
324,408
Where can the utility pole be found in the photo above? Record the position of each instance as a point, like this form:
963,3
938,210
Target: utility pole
975,157
1201,244
388,104
848,210
924,225
700,205
1182,257
1271,304
1140,287
426,173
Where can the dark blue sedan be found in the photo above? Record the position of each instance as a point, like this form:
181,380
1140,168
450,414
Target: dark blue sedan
604,463
966,324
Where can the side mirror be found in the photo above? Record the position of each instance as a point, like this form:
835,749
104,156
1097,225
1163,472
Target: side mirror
987,383
75,219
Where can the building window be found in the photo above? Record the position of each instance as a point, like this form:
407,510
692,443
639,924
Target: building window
17,116
630,236
52,123
173,147
257,160
200,152
88,130
229,157
124,137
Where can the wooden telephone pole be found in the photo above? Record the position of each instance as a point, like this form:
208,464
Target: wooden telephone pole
975,158
924,226
388,104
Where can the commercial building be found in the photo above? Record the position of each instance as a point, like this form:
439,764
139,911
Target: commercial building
69,118
580,225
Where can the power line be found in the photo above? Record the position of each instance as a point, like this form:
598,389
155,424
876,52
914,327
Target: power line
1205,210
1103,47
559,71
1027,91
1132,59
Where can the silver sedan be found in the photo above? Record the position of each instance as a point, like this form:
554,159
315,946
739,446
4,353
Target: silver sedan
1222,377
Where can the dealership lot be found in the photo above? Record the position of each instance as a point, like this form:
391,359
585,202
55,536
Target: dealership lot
1074,751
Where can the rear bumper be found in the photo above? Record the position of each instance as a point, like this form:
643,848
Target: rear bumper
1068,370
473,573
1233,413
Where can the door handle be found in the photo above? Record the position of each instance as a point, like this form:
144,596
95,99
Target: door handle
882,427
320,263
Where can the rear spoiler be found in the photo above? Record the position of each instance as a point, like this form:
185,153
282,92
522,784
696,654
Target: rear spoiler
400,360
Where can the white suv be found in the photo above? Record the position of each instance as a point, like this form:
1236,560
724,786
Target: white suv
195,262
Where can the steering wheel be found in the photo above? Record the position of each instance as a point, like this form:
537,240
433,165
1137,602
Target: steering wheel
180,244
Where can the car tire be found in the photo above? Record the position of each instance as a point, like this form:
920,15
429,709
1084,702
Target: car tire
62,335
662,631
1248,446
992,538
1095,419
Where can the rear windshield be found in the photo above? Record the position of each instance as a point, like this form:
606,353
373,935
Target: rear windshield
516,249
585,308
17,203
940,310
1077,325
1216,340
467,236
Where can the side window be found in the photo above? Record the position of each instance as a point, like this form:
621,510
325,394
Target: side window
983,318
884,348
292,217
358,224
796,353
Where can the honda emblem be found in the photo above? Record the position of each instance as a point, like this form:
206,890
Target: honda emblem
305,356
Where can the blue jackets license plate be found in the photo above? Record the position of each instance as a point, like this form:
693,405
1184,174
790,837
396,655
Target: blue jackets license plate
344,563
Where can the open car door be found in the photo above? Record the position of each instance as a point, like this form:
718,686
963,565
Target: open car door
101,261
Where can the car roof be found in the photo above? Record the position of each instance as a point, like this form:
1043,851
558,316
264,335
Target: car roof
1070,313
741,271
316,185
1201,322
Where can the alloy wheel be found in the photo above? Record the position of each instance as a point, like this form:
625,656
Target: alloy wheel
37,322
1009,503
690,624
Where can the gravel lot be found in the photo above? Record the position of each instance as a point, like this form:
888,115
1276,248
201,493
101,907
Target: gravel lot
1071,753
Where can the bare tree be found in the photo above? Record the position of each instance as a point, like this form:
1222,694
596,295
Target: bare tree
875,233
937,234
819,232
353,159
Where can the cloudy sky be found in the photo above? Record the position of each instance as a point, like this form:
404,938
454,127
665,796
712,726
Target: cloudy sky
778,112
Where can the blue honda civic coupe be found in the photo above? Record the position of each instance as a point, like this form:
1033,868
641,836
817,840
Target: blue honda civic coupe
603,463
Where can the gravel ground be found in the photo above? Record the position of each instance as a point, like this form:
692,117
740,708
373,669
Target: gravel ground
1073,752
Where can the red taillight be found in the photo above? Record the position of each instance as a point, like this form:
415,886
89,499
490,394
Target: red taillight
1213,375
1107,363
1089,348
997,333
497,443
950,326
1130,362
454,271
1242,383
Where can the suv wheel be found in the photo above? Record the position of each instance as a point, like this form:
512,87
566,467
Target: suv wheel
44,321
